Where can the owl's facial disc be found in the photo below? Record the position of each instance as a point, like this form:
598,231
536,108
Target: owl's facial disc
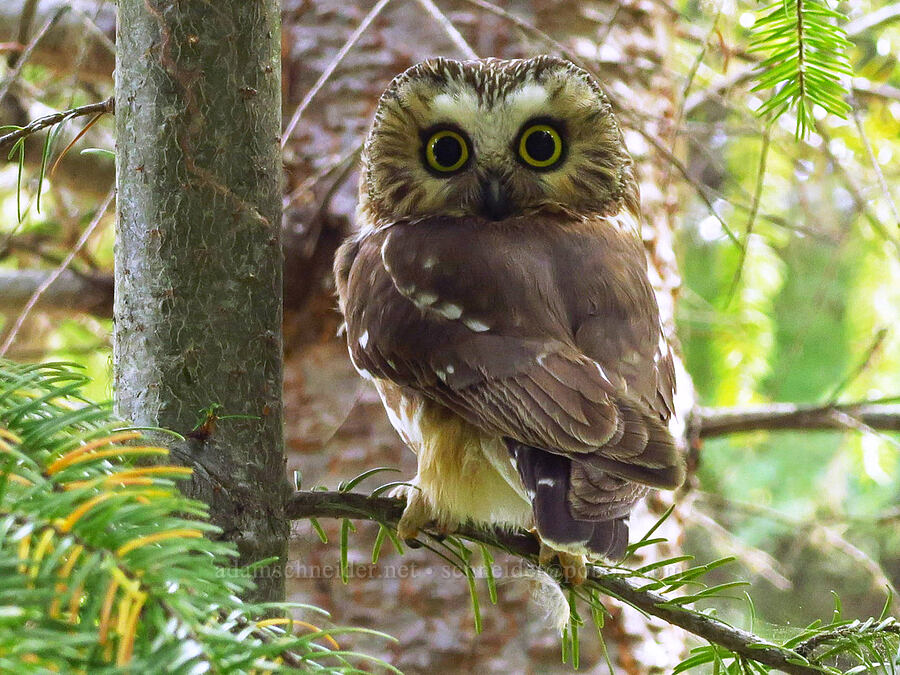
493,139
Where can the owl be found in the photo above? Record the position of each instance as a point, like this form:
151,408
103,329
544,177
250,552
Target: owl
496,294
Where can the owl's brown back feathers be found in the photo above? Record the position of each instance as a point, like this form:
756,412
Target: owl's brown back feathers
540,329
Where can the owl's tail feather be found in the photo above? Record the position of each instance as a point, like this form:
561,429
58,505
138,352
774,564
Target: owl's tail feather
547,477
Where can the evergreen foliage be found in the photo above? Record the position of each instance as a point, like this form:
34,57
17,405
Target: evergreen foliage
106,567
804,58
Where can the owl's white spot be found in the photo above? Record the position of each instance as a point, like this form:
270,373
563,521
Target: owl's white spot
364,339
449,310
476,325
550,482
541,359
428,263
442,374
424,298
450,368
384,252
365,374
663,345
602,373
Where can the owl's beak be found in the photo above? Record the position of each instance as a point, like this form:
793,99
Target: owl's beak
495,201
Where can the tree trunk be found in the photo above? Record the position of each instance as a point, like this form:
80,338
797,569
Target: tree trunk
198,257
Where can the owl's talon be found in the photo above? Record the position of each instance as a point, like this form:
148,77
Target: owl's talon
417,514
546,554
572,565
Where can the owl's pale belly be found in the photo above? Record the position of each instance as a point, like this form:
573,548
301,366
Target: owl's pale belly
463,473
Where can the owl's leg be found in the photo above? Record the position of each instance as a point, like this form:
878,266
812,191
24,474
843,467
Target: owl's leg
419,512
573,565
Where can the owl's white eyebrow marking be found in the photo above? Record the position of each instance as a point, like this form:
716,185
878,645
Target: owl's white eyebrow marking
462,108
531,96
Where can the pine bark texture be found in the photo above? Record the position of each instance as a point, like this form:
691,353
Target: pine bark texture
198,303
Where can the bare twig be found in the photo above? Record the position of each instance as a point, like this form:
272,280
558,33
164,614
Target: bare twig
531,30
861,204
886,191
71,292
26,53
863,365
33,127
816,532
758,561
331,67
26,19
754,209
873,19
455,37
699,189
315,504
711,422
33,300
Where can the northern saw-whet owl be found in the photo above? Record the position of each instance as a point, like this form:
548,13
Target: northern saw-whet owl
496,294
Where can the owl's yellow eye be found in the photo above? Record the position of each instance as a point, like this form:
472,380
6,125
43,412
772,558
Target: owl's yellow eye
446,151
540,146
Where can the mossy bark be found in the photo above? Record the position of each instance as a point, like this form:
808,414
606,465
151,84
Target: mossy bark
198,254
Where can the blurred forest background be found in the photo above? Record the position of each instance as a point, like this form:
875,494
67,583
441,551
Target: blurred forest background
788,252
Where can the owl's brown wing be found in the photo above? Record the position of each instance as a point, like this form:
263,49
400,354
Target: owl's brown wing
485,319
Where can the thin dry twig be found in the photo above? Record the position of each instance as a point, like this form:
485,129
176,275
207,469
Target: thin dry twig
857,120
331,67
26,53
861,204
698,188
863,365
455,36
530,29
712,422
816,533
32,301
758,561
751,220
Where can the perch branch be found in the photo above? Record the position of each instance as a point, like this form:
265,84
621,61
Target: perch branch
316,504
33,127
711,422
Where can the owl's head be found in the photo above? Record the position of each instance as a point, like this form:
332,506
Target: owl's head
495,139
